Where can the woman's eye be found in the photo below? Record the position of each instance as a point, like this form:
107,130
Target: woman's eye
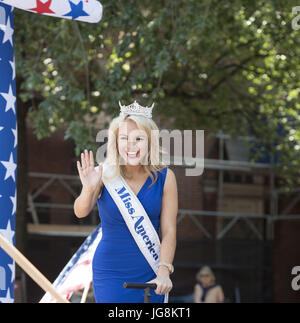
140,138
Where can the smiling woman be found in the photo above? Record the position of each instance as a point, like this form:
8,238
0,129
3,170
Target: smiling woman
134,140
138,197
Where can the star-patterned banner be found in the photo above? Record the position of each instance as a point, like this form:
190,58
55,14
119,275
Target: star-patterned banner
8,150
83,10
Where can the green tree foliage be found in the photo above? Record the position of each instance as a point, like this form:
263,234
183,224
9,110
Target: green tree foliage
212,65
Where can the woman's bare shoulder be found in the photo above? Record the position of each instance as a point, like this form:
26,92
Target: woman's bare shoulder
170,176
170,181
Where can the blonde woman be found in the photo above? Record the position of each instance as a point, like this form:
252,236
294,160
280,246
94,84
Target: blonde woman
133,148
206,290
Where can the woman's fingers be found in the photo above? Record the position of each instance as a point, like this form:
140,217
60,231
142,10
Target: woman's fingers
162,287
87,159
87,163
91,159
83,162
159,289
168,289
79,168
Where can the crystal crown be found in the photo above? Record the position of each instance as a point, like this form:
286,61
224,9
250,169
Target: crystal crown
136,109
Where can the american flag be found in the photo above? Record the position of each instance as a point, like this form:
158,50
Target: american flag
8,150
82,10
77,274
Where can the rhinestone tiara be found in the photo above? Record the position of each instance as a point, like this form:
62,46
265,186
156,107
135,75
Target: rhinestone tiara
136,109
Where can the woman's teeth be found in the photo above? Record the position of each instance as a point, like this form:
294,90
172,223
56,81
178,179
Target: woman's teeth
132,154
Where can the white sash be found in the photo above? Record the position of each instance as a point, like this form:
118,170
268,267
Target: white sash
136,219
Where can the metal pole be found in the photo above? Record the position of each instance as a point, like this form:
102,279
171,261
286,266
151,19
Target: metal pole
147,295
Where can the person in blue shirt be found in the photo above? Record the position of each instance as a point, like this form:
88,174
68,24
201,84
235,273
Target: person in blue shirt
206,290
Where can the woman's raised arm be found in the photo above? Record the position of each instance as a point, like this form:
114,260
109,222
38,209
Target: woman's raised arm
91,185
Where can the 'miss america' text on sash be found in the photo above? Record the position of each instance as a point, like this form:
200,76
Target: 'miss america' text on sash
138,227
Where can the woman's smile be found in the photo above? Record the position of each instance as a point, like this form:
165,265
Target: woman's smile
133,154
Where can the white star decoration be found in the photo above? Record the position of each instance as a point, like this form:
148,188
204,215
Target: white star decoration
10,100
15,133
8,32
8,233
13,199
12,269
7,299
10,167
13,66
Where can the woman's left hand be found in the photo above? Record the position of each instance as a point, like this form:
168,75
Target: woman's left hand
163,281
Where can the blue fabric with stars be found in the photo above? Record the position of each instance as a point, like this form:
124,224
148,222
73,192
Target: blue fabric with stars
8,150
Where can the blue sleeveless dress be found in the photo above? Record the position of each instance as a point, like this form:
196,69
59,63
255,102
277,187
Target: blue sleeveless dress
117,258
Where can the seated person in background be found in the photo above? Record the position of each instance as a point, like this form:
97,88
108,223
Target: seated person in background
206,290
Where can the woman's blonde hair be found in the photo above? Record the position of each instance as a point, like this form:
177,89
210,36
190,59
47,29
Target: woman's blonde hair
155,151
207,270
